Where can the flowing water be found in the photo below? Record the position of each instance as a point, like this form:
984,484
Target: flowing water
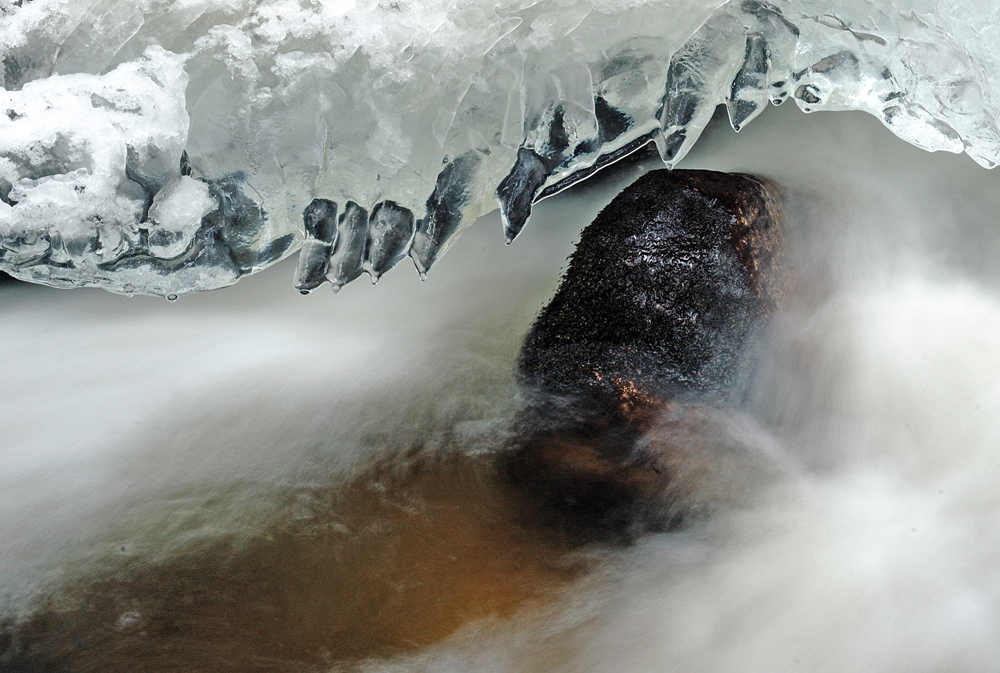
253,480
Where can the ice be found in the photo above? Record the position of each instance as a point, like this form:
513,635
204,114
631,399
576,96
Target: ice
176,215
699,74
445,210
320,218
348,258
79,156
97,188
518,191
390,232
121,121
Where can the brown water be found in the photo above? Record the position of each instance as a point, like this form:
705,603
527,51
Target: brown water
395,559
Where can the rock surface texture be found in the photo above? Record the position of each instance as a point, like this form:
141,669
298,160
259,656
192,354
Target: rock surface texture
660,301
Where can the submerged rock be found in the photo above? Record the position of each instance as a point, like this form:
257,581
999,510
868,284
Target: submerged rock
660,301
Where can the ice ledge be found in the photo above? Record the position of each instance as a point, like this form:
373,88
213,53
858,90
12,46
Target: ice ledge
95,188
167,148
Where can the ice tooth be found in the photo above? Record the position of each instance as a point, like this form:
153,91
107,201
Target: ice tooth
444,211
349,251
698,77
517,191
557,143
320,219
390,231
781,37
748,95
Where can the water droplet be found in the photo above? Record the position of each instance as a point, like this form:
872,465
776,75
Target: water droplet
171,298
303,291
423,275
129,620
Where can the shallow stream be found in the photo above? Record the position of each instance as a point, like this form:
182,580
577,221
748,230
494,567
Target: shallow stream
225,466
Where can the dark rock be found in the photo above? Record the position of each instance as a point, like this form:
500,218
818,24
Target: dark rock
658,305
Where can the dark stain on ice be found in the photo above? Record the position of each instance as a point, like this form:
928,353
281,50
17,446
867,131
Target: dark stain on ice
185,166
680,100
5,189
752,77
611,122
237,221
320,220
558,136
808,93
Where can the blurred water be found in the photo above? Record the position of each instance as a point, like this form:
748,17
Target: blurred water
143,430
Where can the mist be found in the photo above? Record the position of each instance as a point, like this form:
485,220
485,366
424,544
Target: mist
138,431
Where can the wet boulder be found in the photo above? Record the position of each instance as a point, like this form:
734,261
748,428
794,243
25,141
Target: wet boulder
657,308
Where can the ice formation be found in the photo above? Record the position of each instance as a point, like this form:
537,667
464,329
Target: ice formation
170,146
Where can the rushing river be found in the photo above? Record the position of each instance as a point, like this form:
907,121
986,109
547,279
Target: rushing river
223,444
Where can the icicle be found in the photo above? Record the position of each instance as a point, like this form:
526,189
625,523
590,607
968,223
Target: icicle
349,253
390,231
320,218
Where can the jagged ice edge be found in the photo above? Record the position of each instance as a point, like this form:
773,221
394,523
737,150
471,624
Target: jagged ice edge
99,195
